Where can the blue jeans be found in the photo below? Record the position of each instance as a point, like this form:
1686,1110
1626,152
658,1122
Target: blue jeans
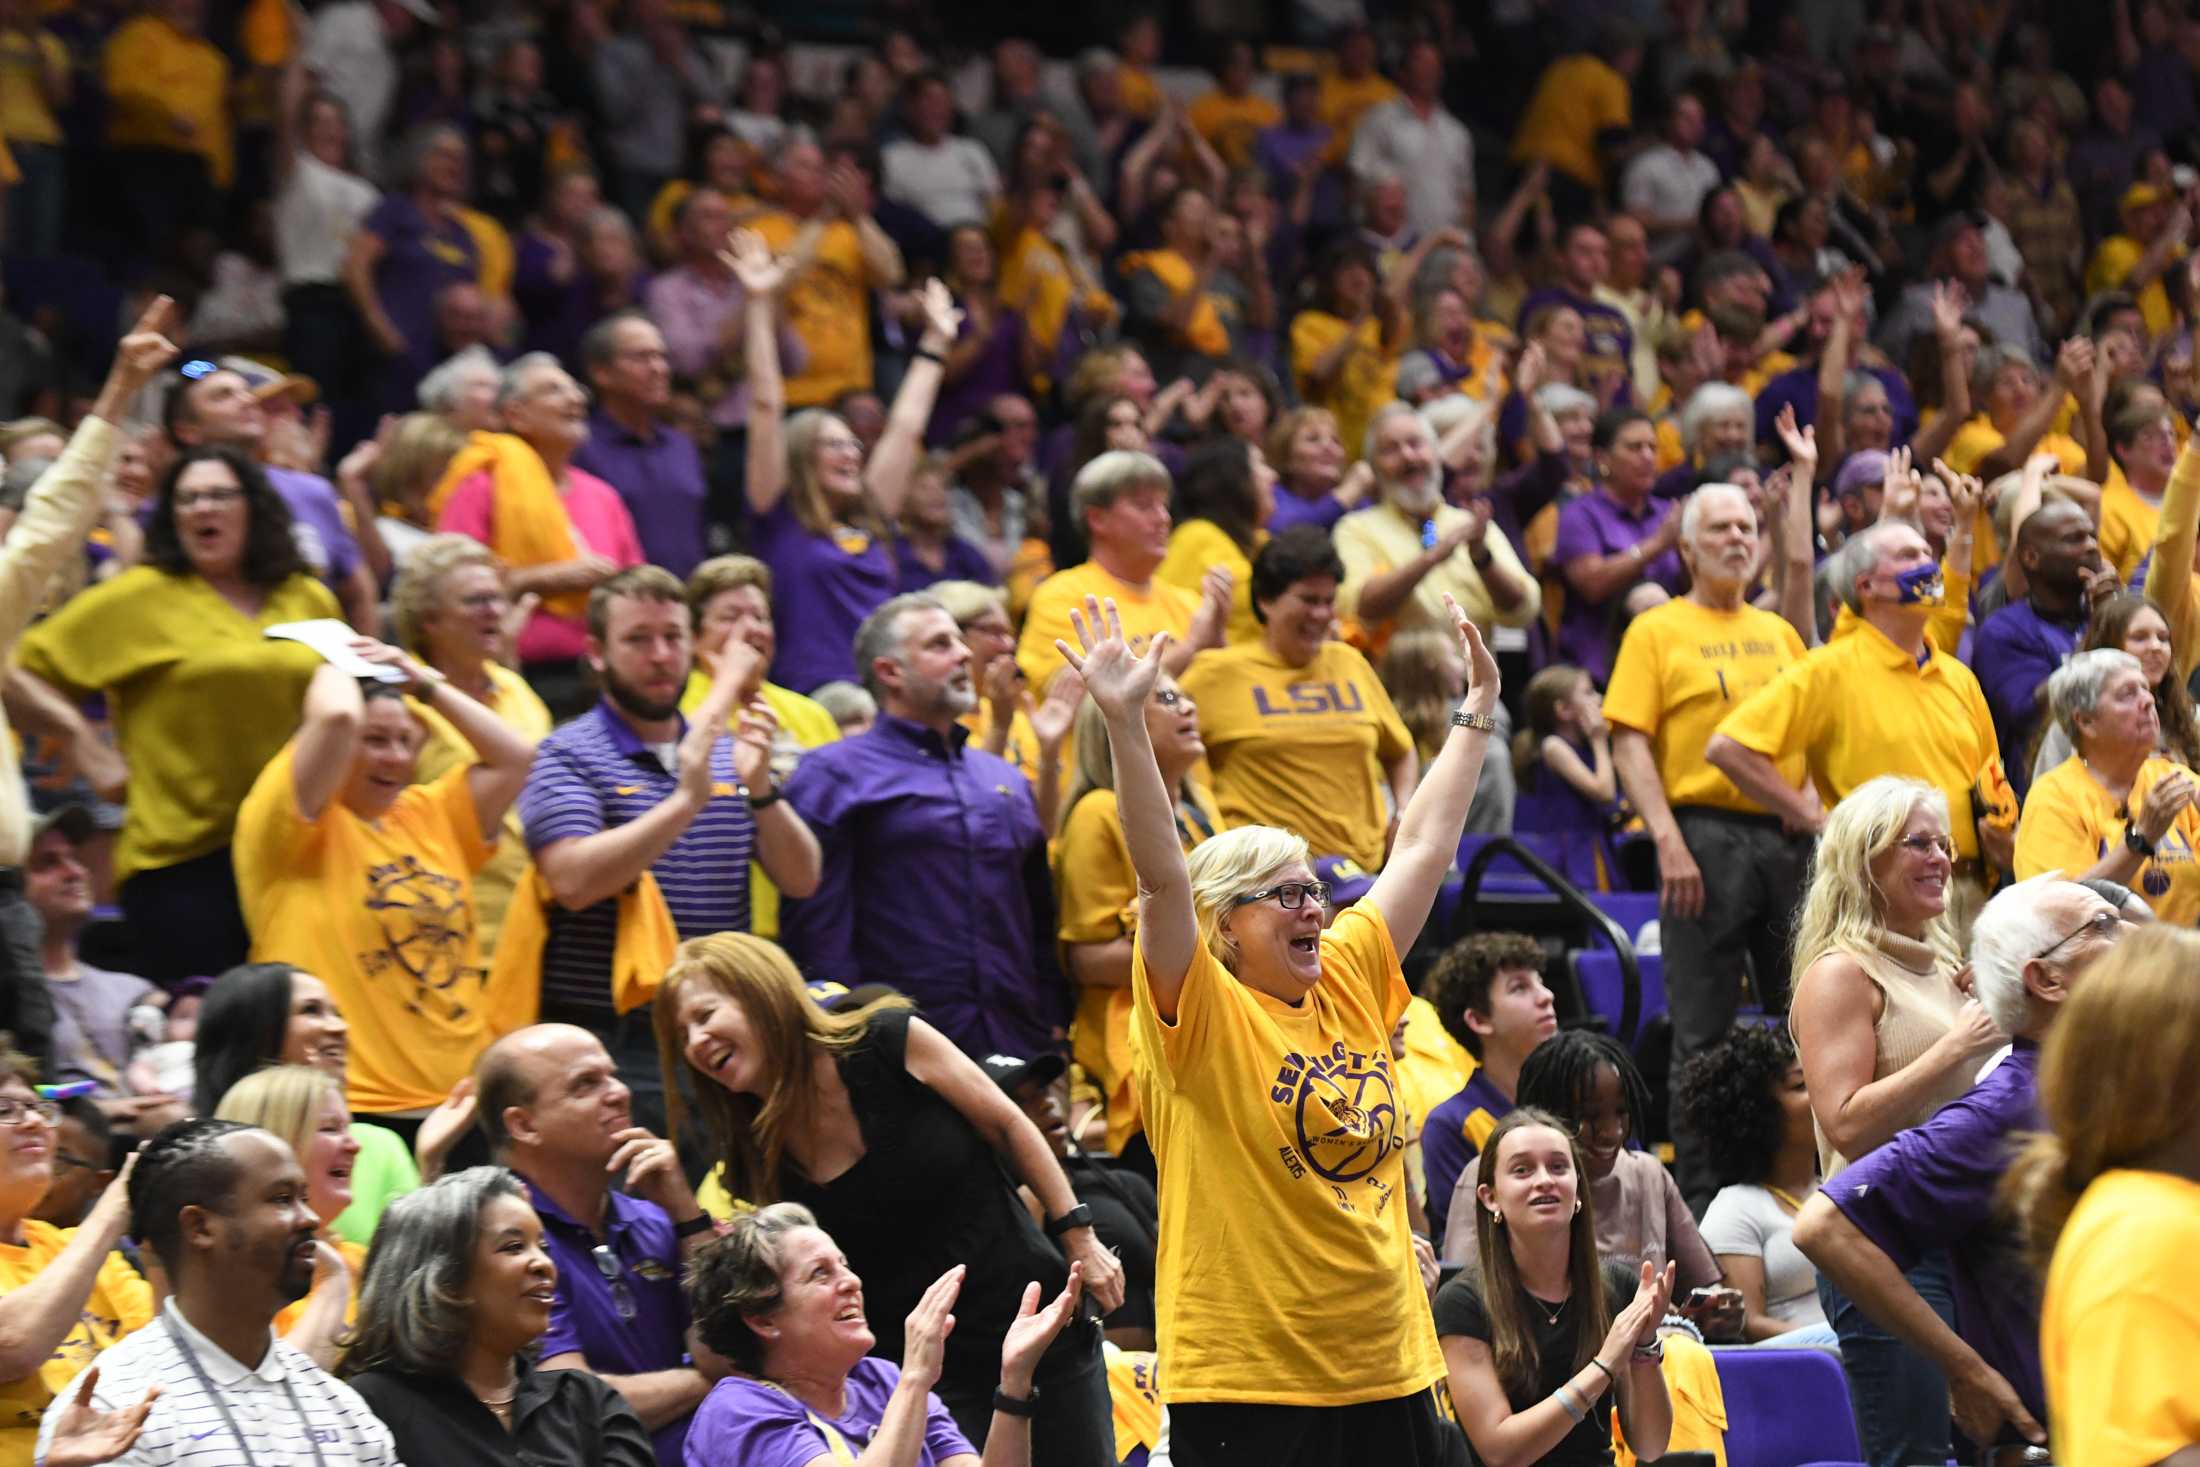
1900,1396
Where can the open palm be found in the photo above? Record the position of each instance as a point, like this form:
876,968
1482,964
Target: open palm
1118,679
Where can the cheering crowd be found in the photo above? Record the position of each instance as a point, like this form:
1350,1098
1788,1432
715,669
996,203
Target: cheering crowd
748,748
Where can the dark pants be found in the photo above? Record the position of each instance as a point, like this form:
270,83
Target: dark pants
1406,1431
1901,1397
1753,876
186,920
39,205
1073,1426
26,1005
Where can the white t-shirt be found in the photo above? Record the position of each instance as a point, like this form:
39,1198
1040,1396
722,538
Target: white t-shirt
1749,1221
951,182
1665,183
316,214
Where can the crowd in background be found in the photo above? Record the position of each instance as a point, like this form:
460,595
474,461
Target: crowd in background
740,736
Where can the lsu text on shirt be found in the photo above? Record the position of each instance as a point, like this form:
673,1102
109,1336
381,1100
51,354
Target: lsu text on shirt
382,911
1681,669
1286,1273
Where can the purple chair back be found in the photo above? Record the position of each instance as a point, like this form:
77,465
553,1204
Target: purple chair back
1785,1408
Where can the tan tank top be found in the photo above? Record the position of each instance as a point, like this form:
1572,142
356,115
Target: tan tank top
1921,999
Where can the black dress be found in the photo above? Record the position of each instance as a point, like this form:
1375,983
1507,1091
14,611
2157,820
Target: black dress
929,1193
560,1418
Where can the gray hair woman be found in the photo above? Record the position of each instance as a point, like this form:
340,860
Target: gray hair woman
775,1296
1717,420
2116,808
458,1292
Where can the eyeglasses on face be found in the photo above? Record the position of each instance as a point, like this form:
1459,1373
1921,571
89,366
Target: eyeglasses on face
2104,924
214,498
614,1274
16,1112
1925,845
1290,895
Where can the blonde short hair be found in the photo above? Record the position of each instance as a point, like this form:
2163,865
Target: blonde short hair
284,1099
1227,866
966,601
419,584
723,573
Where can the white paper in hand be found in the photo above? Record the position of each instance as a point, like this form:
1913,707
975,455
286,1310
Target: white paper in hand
332,639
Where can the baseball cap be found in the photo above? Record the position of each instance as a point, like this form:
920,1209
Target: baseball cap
2141,196
73,820
267,384
1860,470
1012,1074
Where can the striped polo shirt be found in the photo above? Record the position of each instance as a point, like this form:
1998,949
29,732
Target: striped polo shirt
274,1405
594,773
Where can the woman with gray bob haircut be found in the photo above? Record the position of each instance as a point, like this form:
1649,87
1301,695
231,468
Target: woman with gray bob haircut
456,1296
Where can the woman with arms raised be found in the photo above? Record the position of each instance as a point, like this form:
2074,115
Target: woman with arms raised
1293,1327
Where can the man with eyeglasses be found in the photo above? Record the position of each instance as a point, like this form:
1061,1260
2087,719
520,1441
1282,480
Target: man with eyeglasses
65,1294
556,1112
1932,1188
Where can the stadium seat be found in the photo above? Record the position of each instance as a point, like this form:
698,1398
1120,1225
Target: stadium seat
1785,1408
1632,910
1603,989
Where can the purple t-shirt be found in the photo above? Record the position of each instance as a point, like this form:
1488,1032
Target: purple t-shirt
963,561
1291,511
1933,1187
419,257
1596,524
325,542
750,1423
823,586
998,369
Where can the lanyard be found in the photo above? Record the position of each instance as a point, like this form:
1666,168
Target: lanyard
222,1405
836,1445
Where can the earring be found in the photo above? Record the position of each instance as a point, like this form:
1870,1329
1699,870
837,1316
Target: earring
1497,1219
1577,1207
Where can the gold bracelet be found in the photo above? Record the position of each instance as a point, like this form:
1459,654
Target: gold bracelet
1480,722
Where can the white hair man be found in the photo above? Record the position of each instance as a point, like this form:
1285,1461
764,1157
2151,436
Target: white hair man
1932,1188
1730,872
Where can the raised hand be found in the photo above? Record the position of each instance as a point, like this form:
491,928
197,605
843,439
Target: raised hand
752,745
1636,1325
1034,1329
146,349
84,1435
942,320
924,1335
1482,678
1898,489
1964,491
1533,370
2074,364
1050,721
1117,679
1800,442
752,262
1949,303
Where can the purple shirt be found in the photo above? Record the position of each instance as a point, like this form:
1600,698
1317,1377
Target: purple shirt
1608,349
1291,511
317,523
1799,388
419,257
963,561
999,369
586,1314
662,482
750,1423
2013,653
935,882
691,309
823,586
1597,524
1449,1143
1932,1188
594,773
558,312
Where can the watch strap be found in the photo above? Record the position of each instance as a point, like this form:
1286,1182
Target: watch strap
1024,1406
1079,1216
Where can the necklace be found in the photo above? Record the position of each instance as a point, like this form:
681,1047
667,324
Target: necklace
1550,1315
1786,1197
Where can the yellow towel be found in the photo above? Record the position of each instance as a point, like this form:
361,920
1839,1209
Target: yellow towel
528,525
646,940
1699,1404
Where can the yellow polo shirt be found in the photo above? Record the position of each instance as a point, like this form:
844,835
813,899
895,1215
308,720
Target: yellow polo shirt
1948,622
829,306
1277,1129
1577,98
1304,748
2118,1326
1160,606
1195,545
2127,525
803,725
1367,380
1380,538
2070,822
1681,669
1859,707
1978,438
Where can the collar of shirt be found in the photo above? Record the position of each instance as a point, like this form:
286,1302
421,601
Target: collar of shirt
1880,648
602,427
220,1366
618,1212
624,738
907,731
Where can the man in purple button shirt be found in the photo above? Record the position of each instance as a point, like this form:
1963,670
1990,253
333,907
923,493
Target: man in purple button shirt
935,875
654,466
219,406
556,1112
1932,1187
2017,647
1614,538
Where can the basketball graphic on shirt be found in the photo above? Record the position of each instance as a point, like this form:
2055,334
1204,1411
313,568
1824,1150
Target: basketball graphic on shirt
1347,1120
425,919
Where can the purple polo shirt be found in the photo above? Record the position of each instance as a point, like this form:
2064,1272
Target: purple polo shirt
595,773
1597,524
329,548
748,1423
935,882
2013,652
586,1315
420,256
660,478
1799,388
1449,1143
823,586
1932,1189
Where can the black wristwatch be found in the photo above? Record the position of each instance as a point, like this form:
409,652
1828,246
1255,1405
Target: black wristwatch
1024,1406
700,1223
2136,841
1079,1216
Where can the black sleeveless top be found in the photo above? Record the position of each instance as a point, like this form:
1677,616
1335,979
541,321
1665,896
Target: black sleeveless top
928,1193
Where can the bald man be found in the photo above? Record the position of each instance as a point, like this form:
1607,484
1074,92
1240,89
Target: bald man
556,1113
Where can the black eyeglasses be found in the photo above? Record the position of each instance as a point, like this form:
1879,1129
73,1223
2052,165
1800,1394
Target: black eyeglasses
1290,895
614,1274
2102,924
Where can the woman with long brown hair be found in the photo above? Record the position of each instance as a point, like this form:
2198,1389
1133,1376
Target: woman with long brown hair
894,1140
2110,1196
1536,1346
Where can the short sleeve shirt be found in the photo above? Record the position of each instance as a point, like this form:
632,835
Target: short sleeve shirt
1681,669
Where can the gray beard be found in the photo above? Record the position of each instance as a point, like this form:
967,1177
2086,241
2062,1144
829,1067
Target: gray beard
1414,499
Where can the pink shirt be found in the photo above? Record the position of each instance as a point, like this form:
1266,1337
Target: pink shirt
601,526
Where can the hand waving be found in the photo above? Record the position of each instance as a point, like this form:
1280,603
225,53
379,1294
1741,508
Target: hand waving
1118,679
84,1435
1035,1329
1801,443
753,264
1482,677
